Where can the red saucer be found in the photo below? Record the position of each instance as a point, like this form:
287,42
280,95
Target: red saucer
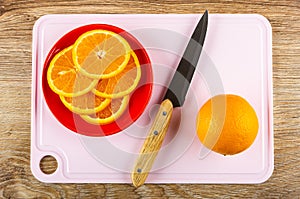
138,100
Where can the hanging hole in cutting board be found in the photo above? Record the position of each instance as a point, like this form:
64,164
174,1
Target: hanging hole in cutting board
48,164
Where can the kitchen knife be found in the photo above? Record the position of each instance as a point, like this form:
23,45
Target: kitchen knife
174,97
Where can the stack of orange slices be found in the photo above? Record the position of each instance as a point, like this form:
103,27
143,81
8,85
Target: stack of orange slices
95,76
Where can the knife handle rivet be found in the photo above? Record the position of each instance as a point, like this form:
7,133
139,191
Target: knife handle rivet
155,132
164,113
139,170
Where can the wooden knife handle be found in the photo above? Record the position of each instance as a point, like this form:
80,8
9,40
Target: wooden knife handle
152,144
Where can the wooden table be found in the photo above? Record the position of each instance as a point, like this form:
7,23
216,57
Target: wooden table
16,21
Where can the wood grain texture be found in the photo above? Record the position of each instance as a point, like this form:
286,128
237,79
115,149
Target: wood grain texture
16,21
152,143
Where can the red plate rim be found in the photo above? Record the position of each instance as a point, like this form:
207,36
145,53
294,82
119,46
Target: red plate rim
138,99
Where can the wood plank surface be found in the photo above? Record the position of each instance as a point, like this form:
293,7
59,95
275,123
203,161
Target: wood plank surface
16,21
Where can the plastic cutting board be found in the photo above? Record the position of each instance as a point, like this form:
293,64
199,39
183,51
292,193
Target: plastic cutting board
237,59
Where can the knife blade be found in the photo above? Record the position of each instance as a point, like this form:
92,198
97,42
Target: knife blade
174,97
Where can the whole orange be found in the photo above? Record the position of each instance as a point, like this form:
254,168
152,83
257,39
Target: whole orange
227,124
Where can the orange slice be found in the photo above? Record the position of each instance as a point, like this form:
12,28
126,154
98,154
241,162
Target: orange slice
121,84
109,114
101,53
85,104
63,78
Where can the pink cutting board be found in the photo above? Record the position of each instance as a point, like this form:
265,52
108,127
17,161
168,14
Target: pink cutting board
236,59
